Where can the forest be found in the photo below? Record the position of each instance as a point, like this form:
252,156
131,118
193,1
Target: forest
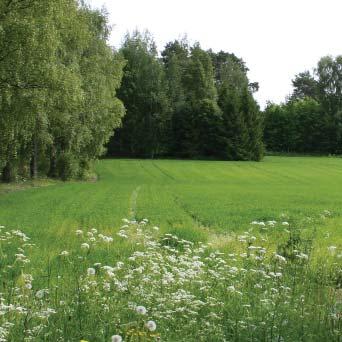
67,98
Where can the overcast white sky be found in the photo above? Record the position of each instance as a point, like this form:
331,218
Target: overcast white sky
276,38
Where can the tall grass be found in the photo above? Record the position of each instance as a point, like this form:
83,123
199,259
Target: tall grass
172,289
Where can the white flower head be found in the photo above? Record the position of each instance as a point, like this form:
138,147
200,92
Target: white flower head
106,286
40,294
116,338
279,258
141,310
85,245
64,253
151,325
91,271
79,232
332,249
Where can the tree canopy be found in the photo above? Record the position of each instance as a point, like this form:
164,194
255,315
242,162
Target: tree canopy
187,103
310,120
67,96
58,82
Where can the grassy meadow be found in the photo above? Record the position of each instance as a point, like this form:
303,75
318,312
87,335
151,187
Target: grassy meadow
214,276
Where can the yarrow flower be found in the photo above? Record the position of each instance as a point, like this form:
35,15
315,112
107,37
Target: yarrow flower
141,310
64,253
151,325
91,271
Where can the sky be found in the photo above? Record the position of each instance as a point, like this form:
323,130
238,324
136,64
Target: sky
276,38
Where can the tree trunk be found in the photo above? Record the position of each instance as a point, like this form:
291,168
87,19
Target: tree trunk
34,162
8,174
53,163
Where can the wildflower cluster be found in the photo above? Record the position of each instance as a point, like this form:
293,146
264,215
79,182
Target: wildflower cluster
19,300
172,289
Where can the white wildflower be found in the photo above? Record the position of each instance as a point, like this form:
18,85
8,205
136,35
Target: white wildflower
151,325
141,310
332,250
106,286
91,271
85,245
122,233
279,258
40,293
116,338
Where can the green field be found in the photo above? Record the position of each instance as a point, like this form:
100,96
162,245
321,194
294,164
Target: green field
220,197
246,283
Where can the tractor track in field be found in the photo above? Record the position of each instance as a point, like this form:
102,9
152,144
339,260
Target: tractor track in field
214,238
162,171
133,203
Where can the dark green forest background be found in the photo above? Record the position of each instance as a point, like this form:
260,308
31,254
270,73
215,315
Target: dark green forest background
67,97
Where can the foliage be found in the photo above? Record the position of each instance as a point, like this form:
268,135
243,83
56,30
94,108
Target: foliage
143,92
58,79
310,121
173,104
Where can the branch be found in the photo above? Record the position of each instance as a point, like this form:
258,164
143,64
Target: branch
9,84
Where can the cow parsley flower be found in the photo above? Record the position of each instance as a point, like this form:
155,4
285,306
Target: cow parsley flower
279,257
85,245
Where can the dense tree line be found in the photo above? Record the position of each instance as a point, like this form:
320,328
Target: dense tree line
58,82
188,103
64,91
310,121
